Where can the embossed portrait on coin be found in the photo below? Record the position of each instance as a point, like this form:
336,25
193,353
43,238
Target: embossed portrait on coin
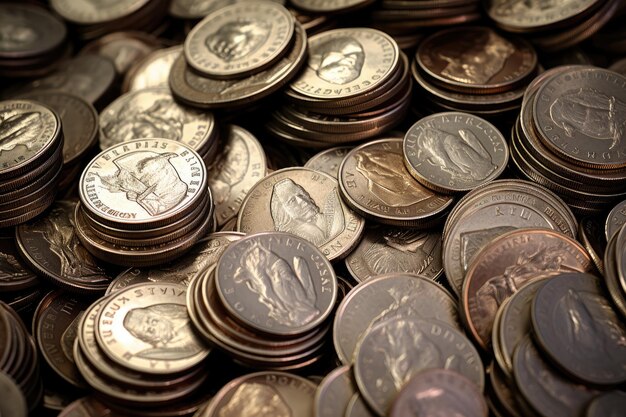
591,113
255,400
476,60
19,129
230,169
284,286
459,154
237,39
166,328
149,179
401,250
474,240
388,180
294,211
163,119
338,60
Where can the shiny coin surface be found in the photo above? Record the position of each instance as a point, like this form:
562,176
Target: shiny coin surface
86,407
240,39
276,283
530,16
334,393
146,328
153,70
86,12
328,161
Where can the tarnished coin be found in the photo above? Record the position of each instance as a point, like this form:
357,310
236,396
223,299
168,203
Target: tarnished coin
13,403
240,164
334,393
580,115
153,70
439,392
507,263
615,220
454,151
385,297
579,330
549,393
153,113
86,12
385,250
347,62
532,16
145,327
328,161
276,283
374,181
142,183
266,393
14,275
610,404
305,203
50,245
394,350
240,39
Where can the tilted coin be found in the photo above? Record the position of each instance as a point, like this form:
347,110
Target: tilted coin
592,236
305,203
13,403
357,407
145,327
454,151
610,404
153,70
439,392
86,407
394,350
571,318
153,113
328,161
502,394
385,297
84,12
374,182
302,282
334,392
14,274
331,6
123,48
615,220
523,16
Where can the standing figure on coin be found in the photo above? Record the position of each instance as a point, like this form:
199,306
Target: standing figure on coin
164,326
255,400
234,40
294,211
338,60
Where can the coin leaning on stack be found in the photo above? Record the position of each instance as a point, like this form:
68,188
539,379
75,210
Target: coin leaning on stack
144,202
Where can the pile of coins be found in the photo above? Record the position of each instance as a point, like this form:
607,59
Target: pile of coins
144,202
267,302
451,76
28,178
551,142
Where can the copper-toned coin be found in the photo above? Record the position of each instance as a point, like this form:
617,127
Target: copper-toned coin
240,164
374,182
508,262
389,296
305,203
454,151
571,317
13,403
276,283
85,12
396,349
328,161
439,392
153,70
123,48
153,113
347,62
239,39
615,220
14,275
476,59
145,327
385,250
50,245
334,393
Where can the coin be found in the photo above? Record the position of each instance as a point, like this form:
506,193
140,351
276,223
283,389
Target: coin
153,70
576,305
83,12
145,327
331,6
439,391
305,203
357,407
14,275
86,407
593,239
214,47
334,393
307,291
519,17
13,403
450,152
611,403
615,219
328,161
123,48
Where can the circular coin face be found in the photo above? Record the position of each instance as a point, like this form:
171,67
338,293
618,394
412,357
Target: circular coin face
454,151
144,181
240,39
146,328
153,70
347,62
276,283
615,220
519,15
87,12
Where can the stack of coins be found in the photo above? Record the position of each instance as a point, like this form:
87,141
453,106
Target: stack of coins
217,70
472,69
33,40
153,113
568,136
90,21
555,26
615,269
31,160
138,350
144,202
18,357
268,301
356,86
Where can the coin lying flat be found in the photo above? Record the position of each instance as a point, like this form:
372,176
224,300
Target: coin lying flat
124,49
328,161
16,276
